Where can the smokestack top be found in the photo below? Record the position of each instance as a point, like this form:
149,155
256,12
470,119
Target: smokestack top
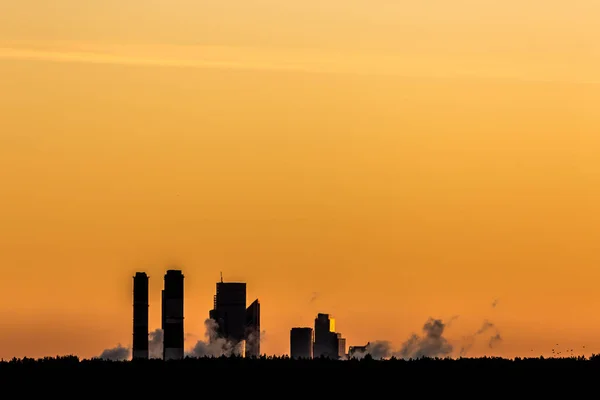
174,272
140,275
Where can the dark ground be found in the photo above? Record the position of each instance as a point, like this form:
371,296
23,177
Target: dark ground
285,378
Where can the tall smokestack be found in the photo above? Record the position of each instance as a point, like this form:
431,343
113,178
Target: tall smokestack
140,316
172,308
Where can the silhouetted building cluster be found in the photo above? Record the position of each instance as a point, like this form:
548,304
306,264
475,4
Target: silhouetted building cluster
237,324
234,322
324,341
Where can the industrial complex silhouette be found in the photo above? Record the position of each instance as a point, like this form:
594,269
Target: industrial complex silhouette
232,320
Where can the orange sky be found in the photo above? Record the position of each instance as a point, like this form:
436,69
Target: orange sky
403,161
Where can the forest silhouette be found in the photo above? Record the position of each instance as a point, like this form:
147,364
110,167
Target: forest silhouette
315,377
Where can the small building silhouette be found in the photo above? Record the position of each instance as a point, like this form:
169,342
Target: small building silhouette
301,343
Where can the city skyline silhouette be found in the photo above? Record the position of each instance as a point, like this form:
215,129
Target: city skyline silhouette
232,330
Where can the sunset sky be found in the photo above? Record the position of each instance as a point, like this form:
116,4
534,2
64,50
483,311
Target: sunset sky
385,161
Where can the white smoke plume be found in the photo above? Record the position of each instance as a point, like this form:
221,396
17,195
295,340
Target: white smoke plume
155,344
431,343
213,345
378,350
118,353
254,340
122,353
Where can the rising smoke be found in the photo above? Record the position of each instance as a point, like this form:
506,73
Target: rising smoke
121,353
155,344
215,346
494,340
485,327
377,350
431,343
212,346
118,353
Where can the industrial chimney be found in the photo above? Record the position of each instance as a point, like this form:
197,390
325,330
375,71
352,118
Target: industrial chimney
172,317
140,316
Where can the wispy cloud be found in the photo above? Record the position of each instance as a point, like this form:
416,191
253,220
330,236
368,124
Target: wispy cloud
92,57
284,59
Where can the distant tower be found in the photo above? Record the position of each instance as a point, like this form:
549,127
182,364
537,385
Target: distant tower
229,311
327,341
301,343
253,329
140,316
172,318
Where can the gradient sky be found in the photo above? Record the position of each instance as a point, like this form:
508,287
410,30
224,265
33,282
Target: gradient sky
401,159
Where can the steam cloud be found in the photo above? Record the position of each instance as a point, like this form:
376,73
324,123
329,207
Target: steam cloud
155,344
118,353
431,343
121,353
215,346
486,326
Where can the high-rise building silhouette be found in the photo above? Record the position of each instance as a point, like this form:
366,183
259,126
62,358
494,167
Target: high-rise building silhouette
301,343
252,333
140,316
229,311
172,315
236,323
328,343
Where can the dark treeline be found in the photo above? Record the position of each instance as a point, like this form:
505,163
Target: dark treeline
366,377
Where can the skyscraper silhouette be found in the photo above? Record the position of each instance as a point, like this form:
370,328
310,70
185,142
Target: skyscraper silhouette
230,310
328,343
140,316
238,325
172,316
253,329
